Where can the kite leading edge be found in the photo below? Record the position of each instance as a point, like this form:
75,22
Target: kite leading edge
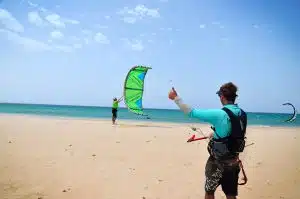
134,89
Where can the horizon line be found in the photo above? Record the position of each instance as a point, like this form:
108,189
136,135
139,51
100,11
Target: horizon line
123,107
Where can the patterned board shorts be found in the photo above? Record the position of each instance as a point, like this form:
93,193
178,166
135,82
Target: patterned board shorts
226,176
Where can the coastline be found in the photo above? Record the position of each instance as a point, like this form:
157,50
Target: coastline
105,119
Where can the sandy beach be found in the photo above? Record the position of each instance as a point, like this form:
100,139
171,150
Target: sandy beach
62,158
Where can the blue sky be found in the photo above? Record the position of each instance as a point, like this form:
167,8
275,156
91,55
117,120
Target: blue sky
79,52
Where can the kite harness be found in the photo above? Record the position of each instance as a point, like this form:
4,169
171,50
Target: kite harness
228,148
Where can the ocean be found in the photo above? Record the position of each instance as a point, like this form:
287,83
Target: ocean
156,115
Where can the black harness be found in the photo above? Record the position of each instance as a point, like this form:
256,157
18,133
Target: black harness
229,147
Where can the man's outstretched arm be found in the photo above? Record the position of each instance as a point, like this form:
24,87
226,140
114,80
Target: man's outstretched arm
211,116
183,107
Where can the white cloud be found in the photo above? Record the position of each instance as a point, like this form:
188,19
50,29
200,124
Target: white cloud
74,38
27,43
107,17
35,18
71,21
131,20
66,49
202,26
44,10
9,22
215,23
100,38
55,20
222,27
86,41
135,45
255,26
57,35
77,46
87,32
33,4
100,26
164,1
103,27
33,45
139,12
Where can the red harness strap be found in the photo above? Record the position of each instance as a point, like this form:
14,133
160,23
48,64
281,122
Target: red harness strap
191,139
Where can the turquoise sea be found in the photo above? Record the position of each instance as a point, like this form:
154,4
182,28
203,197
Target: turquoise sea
156,115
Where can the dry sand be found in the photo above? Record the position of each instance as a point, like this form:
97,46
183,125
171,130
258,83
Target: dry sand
56,158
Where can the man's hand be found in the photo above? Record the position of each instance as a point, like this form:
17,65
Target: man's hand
121,99
172,94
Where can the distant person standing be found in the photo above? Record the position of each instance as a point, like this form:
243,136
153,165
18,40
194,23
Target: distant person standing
115,107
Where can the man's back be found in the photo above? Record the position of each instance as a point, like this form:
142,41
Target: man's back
218,118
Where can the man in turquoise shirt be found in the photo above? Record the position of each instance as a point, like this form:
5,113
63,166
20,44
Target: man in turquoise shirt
225,173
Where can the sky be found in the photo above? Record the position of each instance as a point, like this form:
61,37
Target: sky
79,52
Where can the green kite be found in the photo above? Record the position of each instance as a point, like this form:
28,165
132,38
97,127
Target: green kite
134,89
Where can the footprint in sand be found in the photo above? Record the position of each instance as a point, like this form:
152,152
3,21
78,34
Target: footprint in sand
71,152
268,182
187,164
118,142
66,190
258,164
148,141
131,169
